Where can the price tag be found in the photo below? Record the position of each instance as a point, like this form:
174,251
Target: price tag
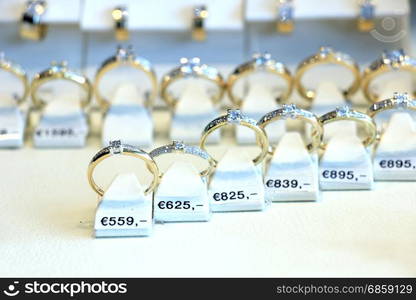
394,168
12,125
302,188
238,198
346,178
181,209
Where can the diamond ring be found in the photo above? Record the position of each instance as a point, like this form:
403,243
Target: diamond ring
259,62
325,56
235,117
391,61
117,148
31,25
291,111
191,68
180,147
18,72
345,113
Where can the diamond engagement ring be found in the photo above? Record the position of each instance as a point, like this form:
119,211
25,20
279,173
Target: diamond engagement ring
325,56
191,68
31,25
235,117
18,72
125,57
390,61
180,147
291,111
117,148
200,14
259,62
59,71
345,113
120,17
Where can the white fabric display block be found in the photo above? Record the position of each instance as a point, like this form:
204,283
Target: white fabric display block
182,195
237,184
62,124
12,127
124,210
345,164
128,119
328,97
395,155
292,174
258,102
193,112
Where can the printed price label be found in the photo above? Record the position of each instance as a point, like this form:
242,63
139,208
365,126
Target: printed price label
288,184
56,133
179,205
240,198
395,164
120,222
347,178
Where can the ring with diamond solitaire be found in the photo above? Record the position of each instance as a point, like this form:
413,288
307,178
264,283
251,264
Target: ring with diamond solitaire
117,148
180,147
259,62
325,56
31,25
59,71
18,72
293,112
346,114
191,68
235,117
125,57
390,61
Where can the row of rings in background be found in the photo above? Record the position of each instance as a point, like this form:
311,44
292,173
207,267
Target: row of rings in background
390,61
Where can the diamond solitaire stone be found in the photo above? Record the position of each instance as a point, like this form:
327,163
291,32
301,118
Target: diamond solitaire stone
402,99
325,51
290,110
343,112
234,116
115,147
262,59
178,145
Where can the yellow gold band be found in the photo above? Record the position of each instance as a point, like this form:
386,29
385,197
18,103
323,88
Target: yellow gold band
18,72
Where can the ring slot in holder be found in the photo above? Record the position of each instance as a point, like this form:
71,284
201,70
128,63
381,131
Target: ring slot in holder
31,25
200,14
346,163
182,195
125,208
193,92
127,115
326,56
395,154
12,116
120,16
63,121
237,184
292,173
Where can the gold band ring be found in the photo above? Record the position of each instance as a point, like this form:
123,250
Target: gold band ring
125,57
293,112
200,14
120,17
117,148
235,117
326,55
18,72
31,26
59,71
260,62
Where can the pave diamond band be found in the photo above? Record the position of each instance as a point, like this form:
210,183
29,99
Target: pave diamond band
117,148
293,112
235,117
390,61
191,68
125,57
325,56
180,147
259,62
345,113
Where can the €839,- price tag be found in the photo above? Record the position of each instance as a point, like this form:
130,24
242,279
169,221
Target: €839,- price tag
292,185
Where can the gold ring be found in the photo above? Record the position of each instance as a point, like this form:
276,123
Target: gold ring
345,113
180,147
200,14
365,22
191,69
260,62
59,71
285,22
125,57
389,62
17,71
117,148
120,17
293,112
326,55
235,117
31,26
